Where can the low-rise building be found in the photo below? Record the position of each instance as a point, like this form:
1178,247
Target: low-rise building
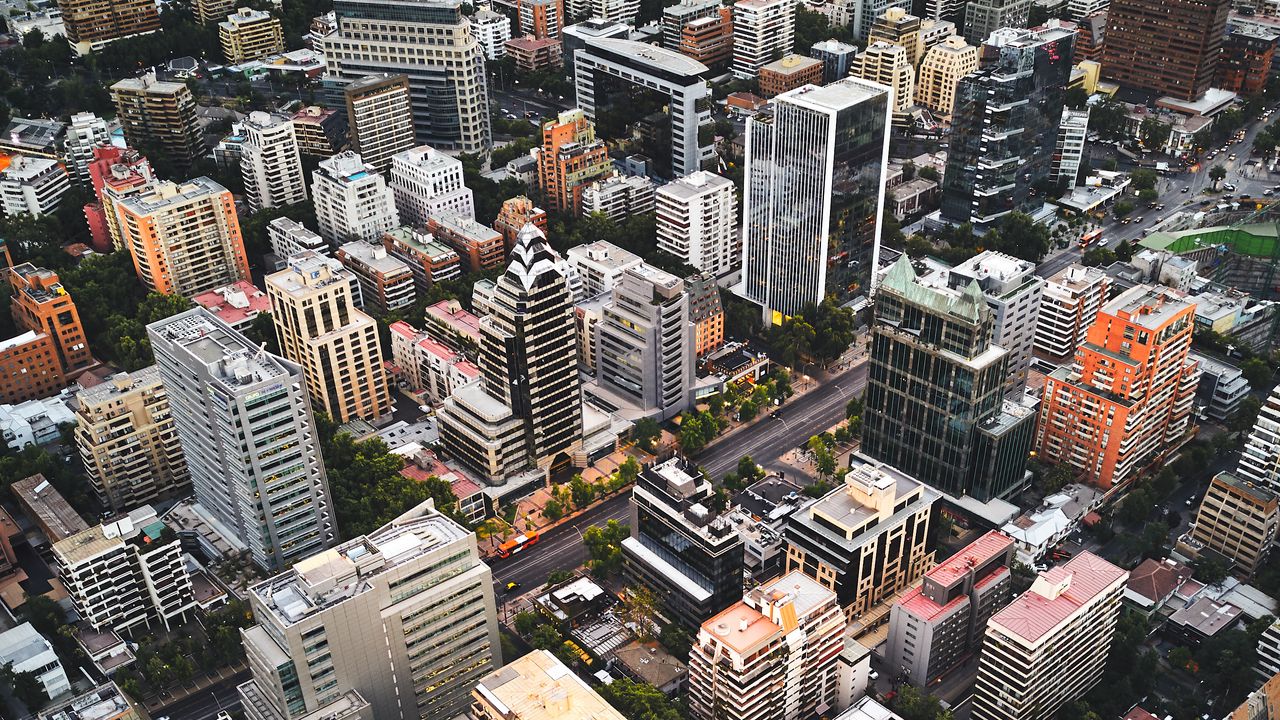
1153,583
237,304
1222,388
789,73
451,324
534,54
386,282
428,365
430,261
24,650
288,237
46,507
105,702
1204,619
538,687
618,197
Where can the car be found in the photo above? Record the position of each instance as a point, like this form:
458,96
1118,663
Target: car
1232,156
890,695
1137,220
1268,191
512,586
874,675
1186,189
1104,242
1159,207
1125,221
1188,502
1229,187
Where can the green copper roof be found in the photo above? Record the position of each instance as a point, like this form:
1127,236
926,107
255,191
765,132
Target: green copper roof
968,303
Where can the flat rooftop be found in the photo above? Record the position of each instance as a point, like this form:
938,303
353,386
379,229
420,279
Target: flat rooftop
227,355
976,553
54,514
1056,595
539,687
1149,306
843,93
645,55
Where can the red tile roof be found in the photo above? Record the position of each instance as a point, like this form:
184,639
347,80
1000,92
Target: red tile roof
1156,580
1057,594
975,553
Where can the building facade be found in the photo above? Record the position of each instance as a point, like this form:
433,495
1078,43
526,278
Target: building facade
32,186
1072,298
86,132
761,29
379,118
250,34
159,116
1069,151
1237,520
427,183
569,159
983,17
697,221
353,202
1169,49
1013,292
478,247
270,162
386,282
940,72
41,304
91,25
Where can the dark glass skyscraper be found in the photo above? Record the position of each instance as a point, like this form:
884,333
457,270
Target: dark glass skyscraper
1005,126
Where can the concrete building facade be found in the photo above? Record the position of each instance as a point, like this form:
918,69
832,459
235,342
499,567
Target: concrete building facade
270,162
353,202
697,221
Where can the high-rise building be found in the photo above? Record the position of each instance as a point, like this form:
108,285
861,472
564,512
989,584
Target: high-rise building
29,368
386,282
1260,459
681,548
427,183
270,162
185,239
1050,645
127,441
618,197
569,159
1172,48
600,265
538,687
478,247
322,132
1013,292
41,304
709,40
866,539
86,132
541,19
32,186
398,624
888,64
527,410
115,173
983,17
161,117
940,72
210,11
1069,151
380,118
779,654
944,10
935,389
814,190
1247,57
935,626
319,328
250,34
1079,9
706,312
352,200
1237,520
126,573
1005,125
91,25
761,30
449,96
492,31
697,221
1072,298
896,26
675,18
515,213
837,57
1125,402
244,421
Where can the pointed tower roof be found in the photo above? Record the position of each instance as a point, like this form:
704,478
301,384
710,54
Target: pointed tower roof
532,258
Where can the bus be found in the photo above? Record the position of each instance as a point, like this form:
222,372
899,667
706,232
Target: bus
517,544
1090,238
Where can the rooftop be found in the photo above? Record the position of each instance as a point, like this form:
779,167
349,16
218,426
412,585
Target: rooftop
604,254
649,55
122,383
54,513
375,257
166,193
1149,306
33,134
976,553
141,523
1056,595
742,628
22,643
1206,616
868,709
104,702
791,64
1078,277
695,184
228,356
451,314
1156,580
422,243
539,687
843,93
235,303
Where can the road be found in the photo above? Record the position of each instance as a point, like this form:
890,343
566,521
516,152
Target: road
801,418
205,704
560,548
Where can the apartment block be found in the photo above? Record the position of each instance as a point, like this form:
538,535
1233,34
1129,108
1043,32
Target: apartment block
697,221
319,327
1248,54
127,441
897,26
935,626
244,420
429,365
837,57
1072,298
430,260
322,132
114,173
709,40
569,159
1125,402
398,624
788,73
32,186
515,213
600,265
706,312
675,18
185,239
386,282
761,29
427,183
983,17
618,197
492,31
1049,646
288,237
352,200
250,34
29,368
1171,49
92,25
867,539
1260,459
1069,152
940,72
270,162
1236,520
538,687
478,246
208,11
126,573
86,132
889,65
778,654
1014,292
379,118
159,115
41,304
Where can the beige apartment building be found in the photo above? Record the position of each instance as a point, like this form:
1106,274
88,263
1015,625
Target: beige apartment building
538,687
940,72
250,34
380,118
1237,520
889,65
159,116
319,327
127,441
399,624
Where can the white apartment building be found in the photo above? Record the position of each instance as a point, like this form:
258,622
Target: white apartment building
778,654
761,30
1260,459
86,132
1072,298
492,31
599,265
618,197
270,162
1078,9
1014,293
697,220
427,183
1049,646
352,200
126,573
1072,130
289,237
399,624
612,11
245,422
26,650
32,186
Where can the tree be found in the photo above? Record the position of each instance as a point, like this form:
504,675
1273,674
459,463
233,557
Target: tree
526,622
553,509
646,432
692,434
676,640
748,470
629,470
1211,569
1124,251
1122,208
1216,174
262,332
1154,133
853,408
604,546
639,701
581,491
639,607
1020,236
26,686
1142,178
1180,658
1258,373
1077,97
1246,414
1136,507
914,704
1109,118
1154,537
546,637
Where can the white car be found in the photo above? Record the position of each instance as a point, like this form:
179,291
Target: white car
1104,242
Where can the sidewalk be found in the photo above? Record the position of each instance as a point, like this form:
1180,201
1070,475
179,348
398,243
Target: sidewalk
204,682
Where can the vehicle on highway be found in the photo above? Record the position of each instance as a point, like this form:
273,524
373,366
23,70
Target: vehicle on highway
1137,220
1089,238
1232,156
517,544
1229,187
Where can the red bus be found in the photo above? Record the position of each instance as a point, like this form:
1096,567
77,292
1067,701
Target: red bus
1090,238
517,544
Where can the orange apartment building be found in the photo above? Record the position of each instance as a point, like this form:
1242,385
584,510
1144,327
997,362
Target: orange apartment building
29,368
541,18
570,159
114,172
709,40
517,212
480,246
1126,401
706,312
41,305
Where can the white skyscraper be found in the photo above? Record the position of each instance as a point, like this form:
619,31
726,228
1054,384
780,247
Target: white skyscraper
762,29
352,200
270,162
245,425
697,219
814,189
426,183
86,132
1260,459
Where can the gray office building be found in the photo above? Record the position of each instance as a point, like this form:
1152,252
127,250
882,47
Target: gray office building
245,425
